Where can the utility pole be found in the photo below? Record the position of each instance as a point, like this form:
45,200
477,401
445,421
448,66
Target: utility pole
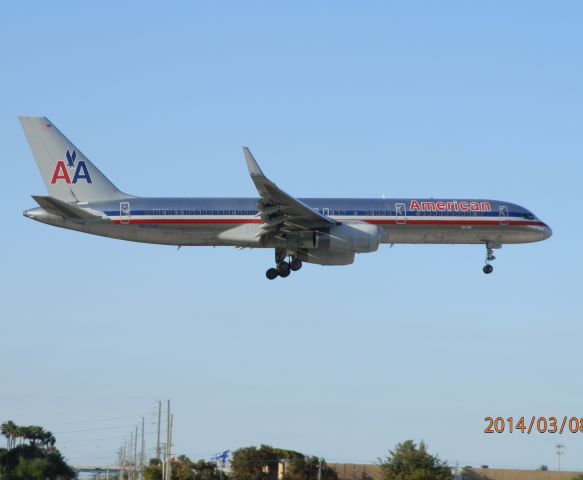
130,455
126,466
142,453
168,441
158,452
558,450
120,462
319,469
171,427
170,448
136,452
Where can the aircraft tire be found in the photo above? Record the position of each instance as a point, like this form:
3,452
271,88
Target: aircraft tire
272,274
282,267
284,274
488,269
295,264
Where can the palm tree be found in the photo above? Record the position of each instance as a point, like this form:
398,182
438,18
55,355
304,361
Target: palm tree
10,430
33,434
21,432
47,439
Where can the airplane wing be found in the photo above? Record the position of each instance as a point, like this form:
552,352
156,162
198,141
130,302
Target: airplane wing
280,211
68,210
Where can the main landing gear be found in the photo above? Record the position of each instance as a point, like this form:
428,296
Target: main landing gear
283,268
489,258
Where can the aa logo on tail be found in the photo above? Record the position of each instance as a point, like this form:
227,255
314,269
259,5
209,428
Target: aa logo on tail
61,171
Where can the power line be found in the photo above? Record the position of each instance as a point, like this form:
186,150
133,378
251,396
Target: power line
94,429
59,442
90,421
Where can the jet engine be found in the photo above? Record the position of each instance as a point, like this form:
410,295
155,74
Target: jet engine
338,245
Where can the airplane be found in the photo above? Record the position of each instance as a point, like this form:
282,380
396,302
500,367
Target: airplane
324,231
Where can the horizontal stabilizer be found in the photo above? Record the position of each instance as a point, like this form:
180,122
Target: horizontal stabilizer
67,210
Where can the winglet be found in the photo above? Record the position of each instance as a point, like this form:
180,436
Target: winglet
252,165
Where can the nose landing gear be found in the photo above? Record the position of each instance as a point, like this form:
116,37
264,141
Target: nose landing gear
489,258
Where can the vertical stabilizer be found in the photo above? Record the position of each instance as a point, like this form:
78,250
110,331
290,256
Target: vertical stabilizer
68,174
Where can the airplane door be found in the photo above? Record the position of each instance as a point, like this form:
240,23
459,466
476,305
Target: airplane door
400,213
124,212
503,214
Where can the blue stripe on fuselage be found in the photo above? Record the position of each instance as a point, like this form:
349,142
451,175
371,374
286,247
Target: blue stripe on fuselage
348,213
354,207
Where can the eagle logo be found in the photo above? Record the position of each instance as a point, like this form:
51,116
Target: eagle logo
71,158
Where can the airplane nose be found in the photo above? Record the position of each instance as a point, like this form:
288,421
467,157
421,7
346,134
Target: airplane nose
547,232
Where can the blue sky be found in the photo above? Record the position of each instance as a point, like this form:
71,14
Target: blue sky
408,99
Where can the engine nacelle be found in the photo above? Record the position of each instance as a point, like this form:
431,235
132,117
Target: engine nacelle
339,244
352,237
323,256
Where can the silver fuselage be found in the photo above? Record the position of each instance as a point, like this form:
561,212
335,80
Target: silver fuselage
234,221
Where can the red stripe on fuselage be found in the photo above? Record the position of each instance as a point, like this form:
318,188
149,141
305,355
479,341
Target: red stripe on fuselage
180,221
235,221
454,222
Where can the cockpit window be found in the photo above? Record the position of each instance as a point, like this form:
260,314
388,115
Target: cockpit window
528,216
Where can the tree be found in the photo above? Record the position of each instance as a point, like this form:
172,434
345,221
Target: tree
35,456
252,463
153,472
31,468
411,462
182,469
34,434
265,463
185,469
307,467
543,468
10,431
207,471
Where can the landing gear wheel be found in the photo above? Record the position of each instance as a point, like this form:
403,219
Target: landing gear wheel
295,264
490,257
272,274
284,274
283,267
